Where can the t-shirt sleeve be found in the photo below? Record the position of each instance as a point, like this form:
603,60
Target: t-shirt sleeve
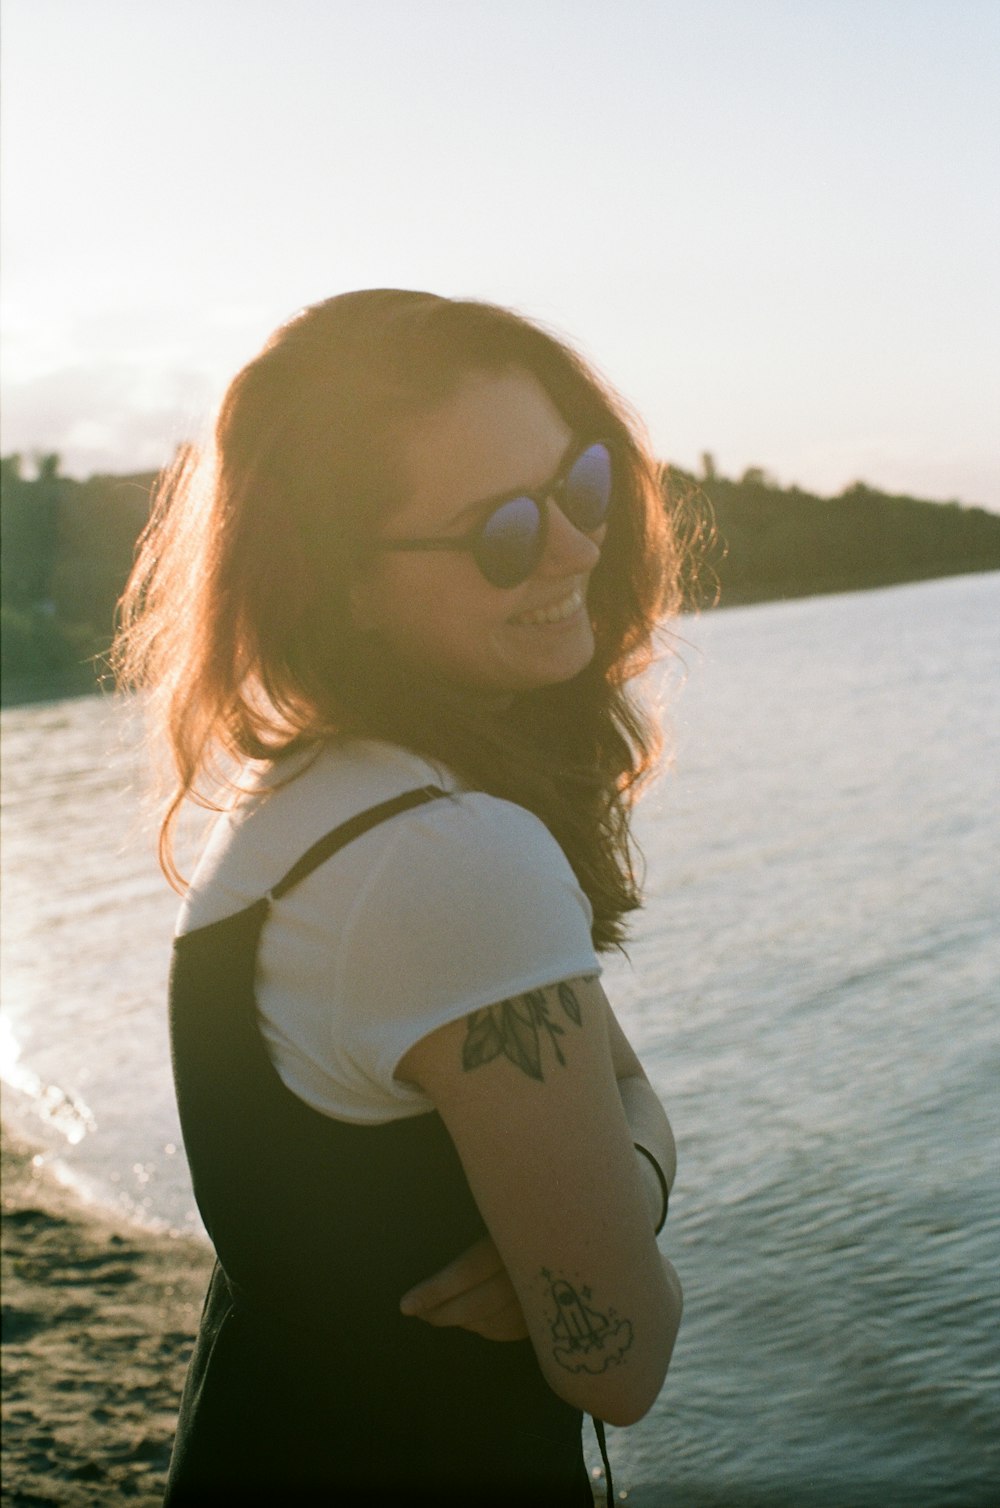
471,901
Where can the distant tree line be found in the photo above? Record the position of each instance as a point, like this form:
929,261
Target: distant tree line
68,546
756,541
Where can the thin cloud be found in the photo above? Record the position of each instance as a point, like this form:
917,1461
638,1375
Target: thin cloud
112,417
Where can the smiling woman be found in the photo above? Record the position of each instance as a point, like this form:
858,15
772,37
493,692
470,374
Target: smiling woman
431,593
404,598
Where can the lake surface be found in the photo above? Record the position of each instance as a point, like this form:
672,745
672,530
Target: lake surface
813,989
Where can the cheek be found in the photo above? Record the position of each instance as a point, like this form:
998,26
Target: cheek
425,607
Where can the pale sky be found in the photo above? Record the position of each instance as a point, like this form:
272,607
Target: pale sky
774,224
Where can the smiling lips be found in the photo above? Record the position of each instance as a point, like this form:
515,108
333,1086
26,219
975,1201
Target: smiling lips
558,612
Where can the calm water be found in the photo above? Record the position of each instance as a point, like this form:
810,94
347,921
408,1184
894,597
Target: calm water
814,990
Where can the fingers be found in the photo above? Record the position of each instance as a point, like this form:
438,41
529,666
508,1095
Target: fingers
474,1293
474,1266
479,1302
491,1310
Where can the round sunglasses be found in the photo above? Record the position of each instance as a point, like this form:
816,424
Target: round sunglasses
508,543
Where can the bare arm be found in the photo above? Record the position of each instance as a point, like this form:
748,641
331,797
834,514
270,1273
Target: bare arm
528,1091
474,1291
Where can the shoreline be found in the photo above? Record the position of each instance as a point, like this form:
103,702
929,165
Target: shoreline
99,1319
27,691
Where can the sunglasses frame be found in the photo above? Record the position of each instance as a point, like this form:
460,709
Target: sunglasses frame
552,490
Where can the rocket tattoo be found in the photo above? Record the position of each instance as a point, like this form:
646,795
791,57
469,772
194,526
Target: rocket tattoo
585,1339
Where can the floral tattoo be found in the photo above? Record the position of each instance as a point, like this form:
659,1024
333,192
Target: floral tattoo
514,1029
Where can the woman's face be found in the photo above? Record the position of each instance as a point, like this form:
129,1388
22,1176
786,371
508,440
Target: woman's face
435,610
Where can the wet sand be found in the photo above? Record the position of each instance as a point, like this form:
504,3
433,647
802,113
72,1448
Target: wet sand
98,1323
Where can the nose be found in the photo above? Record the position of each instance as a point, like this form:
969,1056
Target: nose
567,549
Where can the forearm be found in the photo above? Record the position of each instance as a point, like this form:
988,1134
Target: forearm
646,1117
649,1128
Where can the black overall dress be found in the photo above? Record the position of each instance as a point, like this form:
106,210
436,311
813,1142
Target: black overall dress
306,1384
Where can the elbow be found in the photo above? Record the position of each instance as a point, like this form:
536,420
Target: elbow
625,1391
621,1418
621,1400
629,1398
626,1410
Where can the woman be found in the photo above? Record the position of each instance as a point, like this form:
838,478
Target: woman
394,616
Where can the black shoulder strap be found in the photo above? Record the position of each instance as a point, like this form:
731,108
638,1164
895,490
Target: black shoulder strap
326,847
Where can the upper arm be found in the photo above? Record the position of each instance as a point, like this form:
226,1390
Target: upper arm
528,1091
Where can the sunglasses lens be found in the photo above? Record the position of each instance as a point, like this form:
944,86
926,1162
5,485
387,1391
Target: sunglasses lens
587,490
507,548
510,543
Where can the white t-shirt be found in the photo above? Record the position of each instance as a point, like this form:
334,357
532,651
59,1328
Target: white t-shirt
437,912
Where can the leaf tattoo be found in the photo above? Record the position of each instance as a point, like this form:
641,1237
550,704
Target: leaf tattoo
513,1029
569,1002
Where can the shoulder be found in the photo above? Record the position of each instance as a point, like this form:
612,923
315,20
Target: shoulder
484,826
458,904
284,807
342,777
485,854
459,839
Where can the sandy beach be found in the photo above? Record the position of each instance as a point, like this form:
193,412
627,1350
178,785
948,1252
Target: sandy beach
98,1322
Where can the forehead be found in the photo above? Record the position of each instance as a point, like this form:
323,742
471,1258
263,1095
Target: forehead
498,432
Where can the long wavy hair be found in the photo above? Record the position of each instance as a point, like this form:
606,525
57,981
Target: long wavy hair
236,618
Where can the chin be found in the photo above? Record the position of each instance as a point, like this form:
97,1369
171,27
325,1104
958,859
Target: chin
552,670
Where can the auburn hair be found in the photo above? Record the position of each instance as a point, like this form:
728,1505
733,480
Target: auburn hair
236,616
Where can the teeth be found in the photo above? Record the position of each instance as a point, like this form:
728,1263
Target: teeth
557,613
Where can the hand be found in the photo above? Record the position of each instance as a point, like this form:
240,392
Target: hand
474,1293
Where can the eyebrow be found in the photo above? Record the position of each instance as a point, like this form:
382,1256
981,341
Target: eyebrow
487,504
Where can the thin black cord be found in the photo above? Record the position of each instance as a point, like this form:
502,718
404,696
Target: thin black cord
602,1442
